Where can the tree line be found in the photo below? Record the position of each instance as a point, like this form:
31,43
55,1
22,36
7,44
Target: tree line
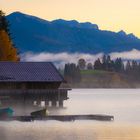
107,64
72,73
131,69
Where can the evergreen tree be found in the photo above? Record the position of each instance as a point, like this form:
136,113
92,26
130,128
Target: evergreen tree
72,73
135,70
128,67
112,66
4,24
108,63
104,63
98,65
134,65
77,75
119,67
65,70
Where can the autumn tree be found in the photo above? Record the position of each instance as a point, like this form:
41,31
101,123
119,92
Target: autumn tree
7,50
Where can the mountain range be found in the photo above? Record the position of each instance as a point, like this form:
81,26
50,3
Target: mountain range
36,35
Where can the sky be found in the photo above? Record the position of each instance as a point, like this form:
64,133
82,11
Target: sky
114,15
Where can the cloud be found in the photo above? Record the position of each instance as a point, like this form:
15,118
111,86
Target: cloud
61,58
128,55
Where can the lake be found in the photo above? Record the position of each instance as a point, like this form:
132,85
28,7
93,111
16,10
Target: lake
123,104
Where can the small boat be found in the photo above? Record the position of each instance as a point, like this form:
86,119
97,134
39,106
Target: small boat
6,112
40,113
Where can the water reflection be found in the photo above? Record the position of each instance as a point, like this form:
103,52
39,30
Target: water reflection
80,130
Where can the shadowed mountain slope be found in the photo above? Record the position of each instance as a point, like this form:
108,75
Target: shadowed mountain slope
34,34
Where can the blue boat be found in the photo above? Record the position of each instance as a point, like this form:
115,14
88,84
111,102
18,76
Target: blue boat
6,112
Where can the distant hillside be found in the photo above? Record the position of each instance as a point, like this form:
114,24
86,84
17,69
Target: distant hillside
34,34
104,79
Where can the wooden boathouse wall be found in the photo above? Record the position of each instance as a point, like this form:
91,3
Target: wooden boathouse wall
28,97
29,85
26,83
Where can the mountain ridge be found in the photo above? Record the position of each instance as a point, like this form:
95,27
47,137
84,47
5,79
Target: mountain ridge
35,34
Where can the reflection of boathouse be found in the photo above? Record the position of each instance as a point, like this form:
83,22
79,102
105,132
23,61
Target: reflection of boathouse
25,83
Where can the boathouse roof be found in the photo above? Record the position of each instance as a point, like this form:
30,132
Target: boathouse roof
29,72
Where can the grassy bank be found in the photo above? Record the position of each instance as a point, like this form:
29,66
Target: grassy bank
103,79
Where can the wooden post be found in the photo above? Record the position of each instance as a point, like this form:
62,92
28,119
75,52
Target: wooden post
47,103
61,103
54,103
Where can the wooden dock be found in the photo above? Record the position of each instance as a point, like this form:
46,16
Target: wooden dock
60,118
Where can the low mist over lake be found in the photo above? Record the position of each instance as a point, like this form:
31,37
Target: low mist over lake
122,103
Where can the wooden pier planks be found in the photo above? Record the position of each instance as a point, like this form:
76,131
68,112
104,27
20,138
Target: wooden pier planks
60,118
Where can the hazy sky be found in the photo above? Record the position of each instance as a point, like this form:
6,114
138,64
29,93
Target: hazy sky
108,14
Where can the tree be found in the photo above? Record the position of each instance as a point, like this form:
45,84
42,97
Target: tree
134,65
104,59
104,63
77,75
119,66
98,64
89,66
4,24
135,70
82,64
112,65
108,59
7,50
108,63
72,73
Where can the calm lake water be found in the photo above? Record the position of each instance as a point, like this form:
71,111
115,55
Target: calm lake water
124,104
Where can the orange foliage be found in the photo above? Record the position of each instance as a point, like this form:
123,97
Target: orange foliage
7,51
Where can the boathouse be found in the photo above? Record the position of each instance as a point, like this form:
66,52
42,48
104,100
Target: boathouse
29,83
